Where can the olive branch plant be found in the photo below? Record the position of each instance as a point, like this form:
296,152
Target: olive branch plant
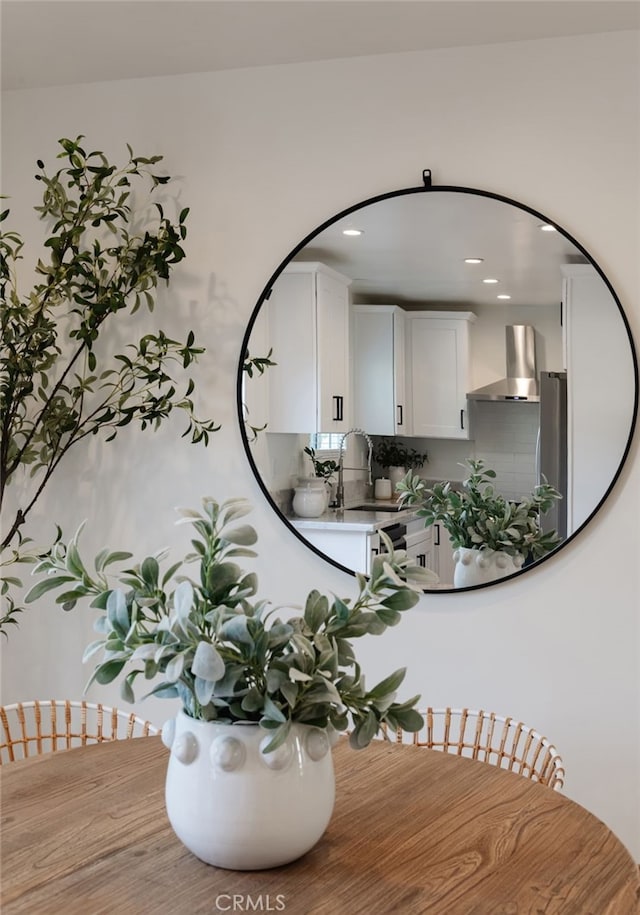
110,245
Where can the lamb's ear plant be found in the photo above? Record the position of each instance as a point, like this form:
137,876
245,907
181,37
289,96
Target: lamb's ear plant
112,241
228,656
476,516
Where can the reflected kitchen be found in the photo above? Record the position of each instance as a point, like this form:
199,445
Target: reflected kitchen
443,349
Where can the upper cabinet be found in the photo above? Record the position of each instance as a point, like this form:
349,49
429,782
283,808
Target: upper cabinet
437,356
378,368
308,329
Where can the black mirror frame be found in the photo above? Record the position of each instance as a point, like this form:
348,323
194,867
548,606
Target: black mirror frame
428,188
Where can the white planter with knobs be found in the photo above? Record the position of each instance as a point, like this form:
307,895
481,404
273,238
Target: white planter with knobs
477,567
237,807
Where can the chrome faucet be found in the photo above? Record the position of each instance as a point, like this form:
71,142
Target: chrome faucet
342,468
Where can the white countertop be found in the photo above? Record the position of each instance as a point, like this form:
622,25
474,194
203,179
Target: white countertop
349,519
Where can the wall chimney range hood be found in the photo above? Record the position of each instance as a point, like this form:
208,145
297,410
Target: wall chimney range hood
521,382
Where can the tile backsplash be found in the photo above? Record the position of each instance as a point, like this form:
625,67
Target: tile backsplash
505,439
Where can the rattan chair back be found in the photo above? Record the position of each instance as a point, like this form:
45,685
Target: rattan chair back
489,738
46,726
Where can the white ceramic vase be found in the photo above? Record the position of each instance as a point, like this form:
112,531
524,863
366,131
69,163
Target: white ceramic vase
478,567
235,806
310,497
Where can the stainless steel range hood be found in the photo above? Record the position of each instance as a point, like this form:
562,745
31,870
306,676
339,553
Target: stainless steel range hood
521,382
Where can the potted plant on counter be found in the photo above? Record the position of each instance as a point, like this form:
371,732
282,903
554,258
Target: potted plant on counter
396,458
491,535
323,470
250,779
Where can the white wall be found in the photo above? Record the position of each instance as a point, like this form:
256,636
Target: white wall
264,157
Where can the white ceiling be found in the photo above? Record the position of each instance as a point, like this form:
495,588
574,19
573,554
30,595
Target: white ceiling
58,42
413,248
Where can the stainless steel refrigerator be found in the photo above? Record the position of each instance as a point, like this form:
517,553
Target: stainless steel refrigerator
551,452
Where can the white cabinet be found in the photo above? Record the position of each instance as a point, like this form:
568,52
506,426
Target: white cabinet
437,353
597,364
420,543
378,369
308,319
354,550
443,555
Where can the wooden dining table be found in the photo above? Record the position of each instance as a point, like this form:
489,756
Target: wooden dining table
413,831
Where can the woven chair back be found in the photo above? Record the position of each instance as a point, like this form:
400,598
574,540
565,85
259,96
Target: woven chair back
490,738
46,726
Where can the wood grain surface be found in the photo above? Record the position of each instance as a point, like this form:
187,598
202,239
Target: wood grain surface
413,831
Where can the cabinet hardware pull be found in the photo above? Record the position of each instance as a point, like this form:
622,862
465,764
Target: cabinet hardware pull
422,560
338,401
462,419
400,419
437,532
375,551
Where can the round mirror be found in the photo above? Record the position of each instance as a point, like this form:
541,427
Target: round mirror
458,335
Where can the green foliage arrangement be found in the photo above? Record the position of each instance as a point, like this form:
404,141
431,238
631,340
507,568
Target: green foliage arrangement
226,655
103,260
479,517
323,469
391,452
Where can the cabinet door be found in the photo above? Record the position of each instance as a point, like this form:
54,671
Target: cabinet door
420,545
378,369
402,424
334,408
308,318
444,555
423,555
292,337
352,549
438,349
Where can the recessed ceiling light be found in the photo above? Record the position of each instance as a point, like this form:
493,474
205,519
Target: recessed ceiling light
547,228
473,260
503,296
490,279
352,232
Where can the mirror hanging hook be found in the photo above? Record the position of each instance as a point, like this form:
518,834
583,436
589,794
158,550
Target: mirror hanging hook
426,177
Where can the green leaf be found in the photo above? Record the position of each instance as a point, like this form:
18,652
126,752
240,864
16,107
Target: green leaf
272,712
244,535
47,584
126,691
173,670
316,610
150,571
389,685
207,663
236,629
203,690
117,612
365,730
108,672
407,719
92,649
183,600
279,737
